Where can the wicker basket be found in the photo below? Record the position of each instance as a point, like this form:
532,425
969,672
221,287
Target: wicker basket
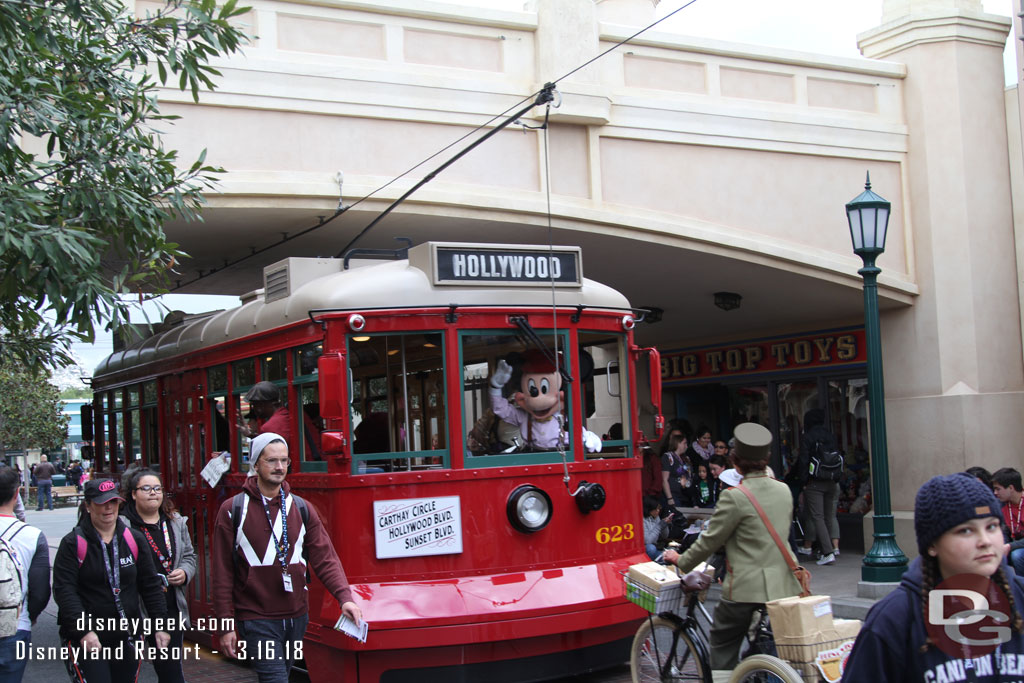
802,656
668,599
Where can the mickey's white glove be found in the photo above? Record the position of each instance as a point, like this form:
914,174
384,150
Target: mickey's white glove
502,374
591,441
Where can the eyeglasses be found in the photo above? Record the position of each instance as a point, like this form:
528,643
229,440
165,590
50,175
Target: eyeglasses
147,488
274,462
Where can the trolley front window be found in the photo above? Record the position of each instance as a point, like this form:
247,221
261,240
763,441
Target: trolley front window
398,402
502,433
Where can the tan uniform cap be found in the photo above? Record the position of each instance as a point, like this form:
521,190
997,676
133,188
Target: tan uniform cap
753,442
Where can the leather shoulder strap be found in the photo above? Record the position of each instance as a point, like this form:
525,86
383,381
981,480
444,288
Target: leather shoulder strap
771,529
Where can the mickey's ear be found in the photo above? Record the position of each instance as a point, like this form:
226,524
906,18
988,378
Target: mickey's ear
586,370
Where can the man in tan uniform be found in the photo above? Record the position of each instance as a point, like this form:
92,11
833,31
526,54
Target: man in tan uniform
756,571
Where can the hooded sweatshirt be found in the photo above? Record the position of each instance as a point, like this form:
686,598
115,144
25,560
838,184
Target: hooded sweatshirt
888,646
247,574
82,593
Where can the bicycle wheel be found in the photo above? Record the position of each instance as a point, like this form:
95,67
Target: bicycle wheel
664,652
764,669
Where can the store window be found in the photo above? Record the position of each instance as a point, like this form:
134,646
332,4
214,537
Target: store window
795,399
848,422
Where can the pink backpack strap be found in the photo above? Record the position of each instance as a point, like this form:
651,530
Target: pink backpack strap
83,546
132,545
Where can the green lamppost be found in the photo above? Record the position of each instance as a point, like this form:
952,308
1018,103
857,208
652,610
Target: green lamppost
868,215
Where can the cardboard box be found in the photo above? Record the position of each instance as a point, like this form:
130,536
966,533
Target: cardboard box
801,619
653,575
843,629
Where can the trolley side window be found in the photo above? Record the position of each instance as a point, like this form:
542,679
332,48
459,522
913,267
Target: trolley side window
217,383
307,420
519,439
151,436
115,433
605,392
243,375
398,402
133,425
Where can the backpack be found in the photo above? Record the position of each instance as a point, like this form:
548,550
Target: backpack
83,545
12,595
825,464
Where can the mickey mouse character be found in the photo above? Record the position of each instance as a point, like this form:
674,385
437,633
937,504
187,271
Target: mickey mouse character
536,407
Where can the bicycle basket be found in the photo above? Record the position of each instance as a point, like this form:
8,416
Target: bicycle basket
803,657
666,598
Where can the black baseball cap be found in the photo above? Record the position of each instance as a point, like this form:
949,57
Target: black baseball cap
101,491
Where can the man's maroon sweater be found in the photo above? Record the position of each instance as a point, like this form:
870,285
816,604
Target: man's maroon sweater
247,575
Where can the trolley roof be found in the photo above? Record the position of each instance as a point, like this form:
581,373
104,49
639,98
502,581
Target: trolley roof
436,274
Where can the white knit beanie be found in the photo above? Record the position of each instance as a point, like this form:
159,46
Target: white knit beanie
257,445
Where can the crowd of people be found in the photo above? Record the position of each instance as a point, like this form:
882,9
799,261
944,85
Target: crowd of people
129,558
683,472
968,525
690,469
120,575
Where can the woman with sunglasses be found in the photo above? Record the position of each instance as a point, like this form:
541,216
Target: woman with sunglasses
168,543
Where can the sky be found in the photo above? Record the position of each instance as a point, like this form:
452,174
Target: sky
817,26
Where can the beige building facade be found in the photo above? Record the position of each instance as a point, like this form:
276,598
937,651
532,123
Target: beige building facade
683,167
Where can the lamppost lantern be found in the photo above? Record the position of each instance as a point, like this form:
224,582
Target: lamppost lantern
868,215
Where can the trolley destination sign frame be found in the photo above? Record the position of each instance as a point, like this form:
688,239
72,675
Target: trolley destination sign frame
461,264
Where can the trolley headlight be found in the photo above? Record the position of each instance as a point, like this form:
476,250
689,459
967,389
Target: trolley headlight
590,497
529,509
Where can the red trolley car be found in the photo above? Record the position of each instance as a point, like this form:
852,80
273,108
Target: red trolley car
471,559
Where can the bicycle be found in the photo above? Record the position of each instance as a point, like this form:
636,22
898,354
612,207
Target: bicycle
672,644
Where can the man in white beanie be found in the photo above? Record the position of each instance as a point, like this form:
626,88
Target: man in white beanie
265,593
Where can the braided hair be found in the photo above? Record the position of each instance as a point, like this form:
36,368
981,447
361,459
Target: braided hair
930,576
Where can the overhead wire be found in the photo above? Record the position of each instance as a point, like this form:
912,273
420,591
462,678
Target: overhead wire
342,209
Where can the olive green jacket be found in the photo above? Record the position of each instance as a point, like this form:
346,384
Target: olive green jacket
755,569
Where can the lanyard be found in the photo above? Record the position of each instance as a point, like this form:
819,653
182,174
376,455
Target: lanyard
165,561
113,575
280,546
1015,523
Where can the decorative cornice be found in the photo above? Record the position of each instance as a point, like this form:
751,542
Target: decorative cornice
934,27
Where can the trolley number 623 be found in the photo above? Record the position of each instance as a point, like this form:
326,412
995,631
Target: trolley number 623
614,534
